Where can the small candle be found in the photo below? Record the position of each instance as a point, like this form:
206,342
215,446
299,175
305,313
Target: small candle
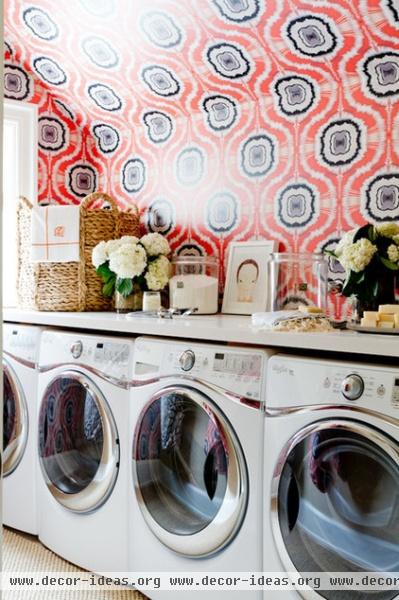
151,301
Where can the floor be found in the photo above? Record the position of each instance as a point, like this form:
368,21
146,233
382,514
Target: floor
23,552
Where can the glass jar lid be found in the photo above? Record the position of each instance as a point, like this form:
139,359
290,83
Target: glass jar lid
297,256
191,259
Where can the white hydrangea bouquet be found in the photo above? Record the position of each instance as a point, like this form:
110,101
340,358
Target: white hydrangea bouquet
132,263
370,257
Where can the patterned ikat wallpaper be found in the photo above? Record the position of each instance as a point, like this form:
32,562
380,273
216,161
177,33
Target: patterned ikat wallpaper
222,119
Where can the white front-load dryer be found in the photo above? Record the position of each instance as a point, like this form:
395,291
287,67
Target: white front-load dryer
83,448
20,351
197,424
331,472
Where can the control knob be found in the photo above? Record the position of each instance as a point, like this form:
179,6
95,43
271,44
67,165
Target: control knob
77,349
352,387
187,360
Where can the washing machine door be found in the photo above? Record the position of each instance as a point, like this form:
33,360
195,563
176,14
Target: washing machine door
78,442
15,420
335,504
189,471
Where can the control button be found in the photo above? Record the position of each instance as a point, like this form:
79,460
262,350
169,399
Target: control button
381,390
327,382
352,387
187,360
77,349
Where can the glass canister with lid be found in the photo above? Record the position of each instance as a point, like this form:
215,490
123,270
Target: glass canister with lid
297,279
195,283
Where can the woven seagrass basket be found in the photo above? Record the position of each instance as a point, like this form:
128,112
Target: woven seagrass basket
71,286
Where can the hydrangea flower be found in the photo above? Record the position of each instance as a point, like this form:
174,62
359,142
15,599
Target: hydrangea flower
355,257
128,261
345,241
99,255
393,253
129,238
158,273
112,246
155,244
371,263
388,230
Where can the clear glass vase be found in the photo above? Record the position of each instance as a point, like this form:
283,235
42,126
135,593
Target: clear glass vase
131,303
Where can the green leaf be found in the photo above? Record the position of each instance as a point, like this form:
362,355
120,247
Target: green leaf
372,233
357,277
105,272
362,232
330,253
141,282
349,287
375,289
124,286
108,288
361,277
352,283
389,264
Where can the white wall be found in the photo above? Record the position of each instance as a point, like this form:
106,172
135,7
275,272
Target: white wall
19,179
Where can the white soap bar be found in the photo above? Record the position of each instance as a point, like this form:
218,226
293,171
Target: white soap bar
385,317
392,309
386,324
368,322
371,315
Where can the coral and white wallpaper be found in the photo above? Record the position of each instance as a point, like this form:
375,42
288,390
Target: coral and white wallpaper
222,119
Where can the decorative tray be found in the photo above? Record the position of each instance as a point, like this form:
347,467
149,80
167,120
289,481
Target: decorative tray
379,330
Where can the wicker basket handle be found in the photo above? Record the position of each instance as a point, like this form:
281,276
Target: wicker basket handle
105,198
132,210
25,202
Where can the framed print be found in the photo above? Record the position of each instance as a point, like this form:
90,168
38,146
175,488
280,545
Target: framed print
247,286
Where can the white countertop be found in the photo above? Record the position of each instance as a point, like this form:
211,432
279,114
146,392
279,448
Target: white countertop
219,328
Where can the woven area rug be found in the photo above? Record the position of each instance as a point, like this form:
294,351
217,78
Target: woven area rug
22,552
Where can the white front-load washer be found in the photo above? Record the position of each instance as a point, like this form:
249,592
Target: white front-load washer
82,446
20,351
331,471
196,426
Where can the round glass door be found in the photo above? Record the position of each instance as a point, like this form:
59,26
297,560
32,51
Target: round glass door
78,442
15,420
338,503
189,472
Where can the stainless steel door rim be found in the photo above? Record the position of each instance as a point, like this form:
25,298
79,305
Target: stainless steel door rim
383,441
14,451
100,487
228,519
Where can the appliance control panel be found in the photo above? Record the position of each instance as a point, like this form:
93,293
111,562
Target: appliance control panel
108,355
395,394
21,341
233,369
294,381
111,352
